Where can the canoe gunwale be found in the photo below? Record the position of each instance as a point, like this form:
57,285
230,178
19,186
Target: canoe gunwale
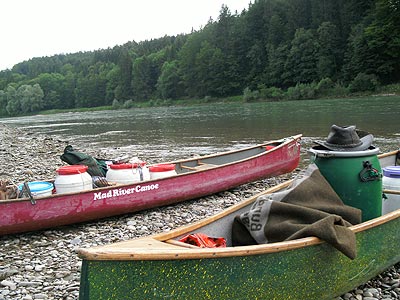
140,253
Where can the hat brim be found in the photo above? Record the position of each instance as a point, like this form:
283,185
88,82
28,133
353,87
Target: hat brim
366,142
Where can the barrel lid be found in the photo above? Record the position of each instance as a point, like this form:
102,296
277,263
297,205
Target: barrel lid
391,171
127,166
162,168
38,186
316,151
72,170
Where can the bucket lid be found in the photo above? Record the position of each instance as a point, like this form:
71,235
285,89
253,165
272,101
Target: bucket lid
72,170
162,168
391,171
127,166
38,186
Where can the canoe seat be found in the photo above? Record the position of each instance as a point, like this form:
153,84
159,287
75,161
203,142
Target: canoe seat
201,166
204,166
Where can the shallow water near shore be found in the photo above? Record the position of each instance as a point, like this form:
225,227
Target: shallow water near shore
175,132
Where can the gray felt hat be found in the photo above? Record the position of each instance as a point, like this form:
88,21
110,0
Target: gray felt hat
347,138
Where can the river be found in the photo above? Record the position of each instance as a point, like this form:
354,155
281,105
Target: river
166,133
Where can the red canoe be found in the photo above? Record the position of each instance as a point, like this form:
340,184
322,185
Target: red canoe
196,177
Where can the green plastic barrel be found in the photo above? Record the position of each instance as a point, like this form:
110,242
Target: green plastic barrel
355,176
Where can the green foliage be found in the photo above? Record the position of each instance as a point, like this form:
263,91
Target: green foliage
169,82
325,85
301,64
24,100
383,39
249,95
364,82
274,50
13,106
390,89
128,104
271,93
116,104
3,103
302,91
329,53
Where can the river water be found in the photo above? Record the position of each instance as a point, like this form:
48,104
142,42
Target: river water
166,133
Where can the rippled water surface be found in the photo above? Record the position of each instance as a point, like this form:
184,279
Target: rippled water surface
175,132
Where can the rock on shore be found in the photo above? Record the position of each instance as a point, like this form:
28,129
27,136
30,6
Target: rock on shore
44,265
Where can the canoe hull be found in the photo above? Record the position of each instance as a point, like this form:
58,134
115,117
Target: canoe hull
56,210
314,272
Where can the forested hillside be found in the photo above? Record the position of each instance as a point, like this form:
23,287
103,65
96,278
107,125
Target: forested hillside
270,48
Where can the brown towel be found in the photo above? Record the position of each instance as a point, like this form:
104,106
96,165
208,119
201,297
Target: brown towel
308,207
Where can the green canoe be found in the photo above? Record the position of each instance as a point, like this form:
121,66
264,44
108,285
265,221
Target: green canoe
161,267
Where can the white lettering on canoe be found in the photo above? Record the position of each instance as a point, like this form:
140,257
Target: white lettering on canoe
124,191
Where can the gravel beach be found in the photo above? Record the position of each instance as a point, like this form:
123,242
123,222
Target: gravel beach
44,265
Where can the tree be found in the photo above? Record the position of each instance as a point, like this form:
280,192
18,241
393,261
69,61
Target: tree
301,64
3,103
125,76
299,15
364,82
257,58
30,98
169,84
276,31
358,57
383,39
112,83
187,57
37,96
24,97
52,85
142,81
13,105
275,69
209,69
329,54
68,92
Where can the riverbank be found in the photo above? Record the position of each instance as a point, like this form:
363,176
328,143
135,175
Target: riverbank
387,91
44,265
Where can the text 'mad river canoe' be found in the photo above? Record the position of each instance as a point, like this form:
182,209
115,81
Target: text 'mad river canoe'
162,267
196,177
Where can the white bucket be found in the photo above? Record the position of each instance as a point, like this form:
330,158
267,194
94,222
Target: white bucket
73,178
128,173
39,188
162,171
391,181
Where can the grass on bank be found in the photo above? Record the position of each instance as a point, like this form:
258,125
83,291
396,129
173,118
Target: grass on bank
322,90
362,86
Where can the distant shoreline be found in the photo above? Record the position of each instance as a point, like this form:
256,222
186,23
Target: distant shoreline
193,102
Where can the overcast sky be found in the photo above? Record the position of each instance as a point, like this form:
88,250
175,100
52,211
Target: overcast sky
35,28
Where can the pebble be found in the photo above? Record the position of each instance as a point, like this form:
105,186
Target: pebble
44,265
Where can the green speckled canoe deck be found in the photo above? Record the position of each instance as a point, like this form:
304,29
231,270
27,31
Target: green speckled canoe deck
315,272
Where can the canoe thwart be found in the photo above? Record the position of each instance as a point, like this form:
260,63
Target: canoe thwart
391,192
181,244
